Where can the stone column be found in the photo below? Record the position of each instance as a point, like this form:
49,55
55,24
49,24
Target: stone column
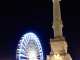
57,22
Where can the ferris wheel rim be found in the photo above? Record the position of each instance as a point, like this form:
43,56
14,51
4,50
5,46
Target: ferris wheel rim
38,43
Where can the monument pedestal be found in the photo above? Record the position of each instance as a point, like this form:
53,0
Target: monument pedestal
59,46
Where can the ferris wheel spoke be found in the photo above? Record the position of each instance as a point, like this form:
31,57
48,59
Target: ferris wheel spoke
21,50
29,47
23,46
24,42
23,56
25,53
24,59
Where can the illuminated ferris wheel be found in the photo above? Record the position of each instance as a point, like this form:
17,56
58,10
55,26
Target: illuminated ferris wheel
29,48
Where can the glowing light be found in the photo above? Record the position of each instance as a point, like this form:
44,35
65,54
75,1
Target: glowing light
32,56
29,47
57,57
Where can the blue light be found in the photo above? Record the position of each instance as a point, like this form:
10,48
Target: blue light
25,46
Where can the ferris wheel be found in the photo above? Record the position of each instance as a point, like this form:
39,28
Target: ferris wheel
29,48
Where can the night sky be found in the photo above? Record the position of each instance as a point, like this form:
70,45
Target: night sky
20,17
